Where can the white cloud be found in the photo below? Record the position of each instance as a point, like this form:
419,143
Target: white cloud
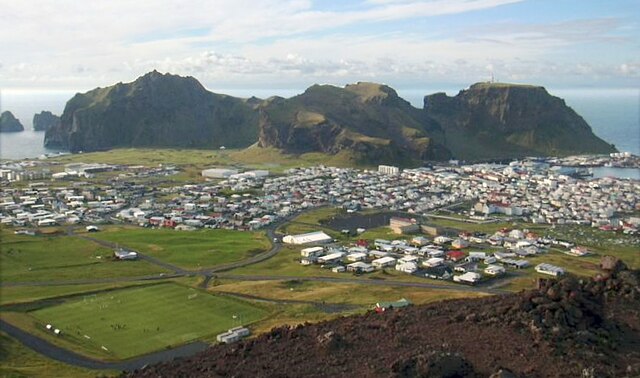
78,45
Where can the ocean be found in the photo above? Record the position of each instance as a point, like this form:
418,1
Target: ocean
614,114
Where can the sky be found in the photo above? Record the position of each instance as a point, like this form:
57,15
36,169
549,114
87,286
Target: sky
235,44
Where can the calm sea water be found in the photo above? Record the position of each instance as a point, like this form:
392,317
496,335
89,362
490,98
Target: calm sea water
614,114
624,173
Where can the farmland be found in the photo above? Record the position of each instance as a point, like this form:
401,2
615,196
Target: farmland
134,321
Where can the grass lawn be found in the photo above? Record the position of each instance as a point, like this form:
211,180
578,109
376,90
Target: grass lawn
341,293
22,294
192,161
487,227
189,249
44,258
626,247
135,321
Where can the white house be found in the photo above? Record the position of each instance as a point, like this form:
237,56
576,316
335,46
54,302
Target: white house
549,269
495,270
383,262
332,258
312,252
407,267
470,278
434,261
356,256
360,267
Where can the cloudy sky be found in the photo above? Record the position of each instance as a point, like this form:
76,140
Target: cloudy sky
78,45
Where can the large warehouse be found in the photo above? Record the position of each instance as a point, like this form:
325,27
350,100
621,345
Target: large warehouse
317,237
219,172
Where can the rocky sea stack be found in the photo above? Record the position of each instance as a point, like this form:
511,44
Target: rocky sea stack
45,120
9,123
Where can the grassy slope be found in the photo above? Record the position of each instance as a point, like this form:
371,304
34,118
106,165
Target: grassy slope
203,248
192,161
337,292
150,318
43,258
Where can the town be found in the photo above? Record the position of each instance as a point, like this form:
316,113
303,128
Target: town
531,191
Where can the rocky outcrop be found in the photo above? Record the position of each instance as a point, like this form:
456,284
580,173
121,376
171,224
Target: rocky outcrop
369,120
496,120
156,110
45,120
9,123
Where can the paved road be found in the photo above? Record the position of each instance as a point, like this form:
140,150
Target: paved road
89,281
52,351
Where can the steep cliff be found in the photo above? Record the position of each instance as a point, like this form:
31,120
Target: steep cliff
156,110
491,120
370,120
45,120
9,123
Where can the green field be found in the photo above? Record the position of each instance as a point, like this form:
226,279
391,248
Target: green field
189,249
52,258
192,161
134,321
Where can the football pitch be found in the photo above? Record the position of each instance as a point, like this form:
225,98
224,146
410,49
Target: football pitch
129,322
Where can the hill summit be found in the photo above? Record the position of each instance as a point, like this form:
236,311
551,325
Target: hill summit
156,110
370,120
9,123
498,120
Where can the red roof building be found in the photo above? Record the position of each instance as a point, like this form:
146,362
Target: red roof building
456,255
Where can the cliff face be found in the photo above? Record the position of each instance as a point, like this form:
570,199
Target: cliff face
369,120
45,120
9,123
504,120
156,110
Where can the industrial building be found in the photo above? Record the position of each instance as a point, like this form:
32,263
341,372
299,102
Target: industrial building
318,237
219,172
388,169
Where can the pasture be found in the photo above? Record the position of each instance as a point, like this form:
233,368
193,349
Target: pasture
189,249
53,258
134,321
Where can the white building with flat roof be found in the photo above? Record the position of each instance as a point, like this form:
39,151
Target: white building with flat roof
218,172
318,237
388,169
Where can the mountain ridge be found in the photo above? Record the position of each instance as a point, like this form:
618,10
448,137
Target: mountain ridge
156,110
369,121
